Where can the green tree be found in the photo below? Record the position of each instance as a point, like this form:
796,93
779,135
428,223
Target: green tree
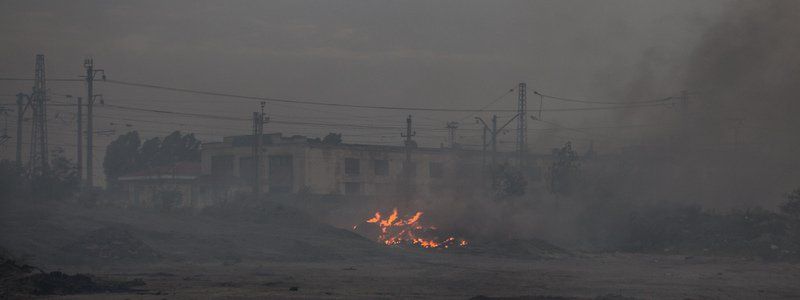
121,157
61,180
128,153
148,155
172,148
562,175
12,179
332,138
508,181
792,205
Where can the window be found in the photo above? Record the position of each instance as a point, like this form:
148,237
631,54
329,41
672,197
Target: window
435,169
411,168
281,173
247,168
222,166
351,166
352,188
381,167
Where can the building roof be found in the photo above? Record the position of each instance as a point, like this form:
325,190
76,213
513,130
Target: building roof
180,170
275,139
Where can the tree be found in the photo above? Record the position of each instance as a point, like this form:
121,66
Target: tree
12,179
129,154
332,138
148,154
792,205
508,181
61,181
176,147
121,156
562,175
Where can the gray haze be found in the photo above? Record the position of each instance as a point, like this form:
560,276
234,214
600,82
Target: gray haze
440,54
443,54
662,163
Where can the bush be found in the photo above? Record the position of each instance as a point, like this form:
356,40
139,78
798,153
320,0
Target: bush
690,230
508,181
792,205
12,179
563,174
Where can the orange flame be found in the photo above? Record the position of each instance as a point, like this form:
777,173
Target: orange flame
395,230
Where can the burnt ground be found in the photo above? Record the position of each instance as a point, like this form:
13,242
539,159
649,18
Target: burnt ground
276,252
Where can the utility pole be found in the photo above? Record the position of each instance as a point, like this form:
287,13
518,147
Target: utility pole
39,157
79,143
522,126
685,103
22,106
737,125
258,132
684,107
5,136
409,144
541,103
483,152
88,64
494,139
451,134
493,130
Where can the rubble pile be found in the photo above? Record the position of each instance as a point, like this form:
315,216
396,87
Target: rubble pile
754,233
18,279
519,248
111,244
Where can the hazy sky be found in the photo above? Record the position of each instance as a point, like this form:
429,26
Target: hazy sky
456,54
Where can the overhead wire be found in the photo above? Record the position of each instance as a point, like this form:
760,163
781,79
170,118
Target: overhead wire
309,102
603,102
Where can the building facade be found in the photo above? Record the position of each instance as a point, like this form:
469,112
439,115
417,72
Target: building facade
165,187
227,172
297,164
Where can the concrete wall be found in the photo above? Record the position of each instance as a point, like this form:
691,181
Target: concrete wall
320,168
146,193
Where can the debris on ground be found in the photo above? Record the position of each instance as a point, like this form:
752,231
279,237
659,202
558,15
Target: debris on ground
540,297
519,248
112,244
20,279
689,230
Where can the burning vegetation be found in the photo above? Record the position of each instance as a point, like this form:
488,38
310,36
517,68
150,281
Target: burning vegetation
394,230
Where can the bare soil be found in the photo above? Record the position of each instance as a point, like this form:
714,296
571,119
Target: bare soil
278,253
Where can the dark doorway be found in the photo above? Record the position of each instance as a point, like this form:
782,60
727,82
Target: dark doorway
281,174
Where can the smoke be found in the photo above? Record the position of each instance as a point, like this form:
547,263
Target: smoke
733,145
747,67
745,75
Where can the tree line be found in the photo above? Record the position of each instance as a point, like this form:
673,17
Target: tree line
128,153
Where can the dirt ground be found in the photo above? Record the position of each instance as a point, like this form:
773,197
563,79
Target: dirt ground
280,255
464,276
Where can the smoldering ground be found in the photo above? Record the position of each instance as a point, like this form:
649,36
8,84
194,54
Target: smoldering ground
688,206
731,146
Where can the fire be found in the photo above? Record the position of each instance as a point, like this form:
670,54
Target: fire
395,230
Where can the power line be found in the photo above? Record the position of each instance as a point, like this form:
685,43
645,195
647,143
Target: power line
245,119
625,104
308,102
603,102
490,104
32,79
576,130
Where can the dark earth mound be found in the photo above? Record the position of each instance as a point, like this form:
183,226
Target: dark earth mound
18,279
111,243
539,297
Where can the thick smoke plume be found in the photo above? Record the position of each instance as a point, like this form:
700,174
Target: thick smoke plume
731,145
